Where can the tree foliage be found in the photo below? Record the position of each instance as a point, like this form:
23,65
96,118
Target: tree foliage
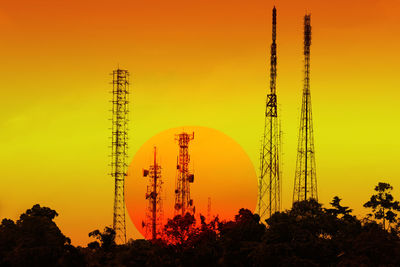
383,205
180,229
338,210
35,240
305,235
106,238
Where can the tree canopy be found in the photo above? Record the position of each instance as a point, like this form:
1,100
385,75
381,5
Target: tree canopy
383,205
308,234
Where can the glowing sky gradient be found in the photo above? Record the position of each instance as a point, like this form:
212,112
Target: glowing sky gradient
192,63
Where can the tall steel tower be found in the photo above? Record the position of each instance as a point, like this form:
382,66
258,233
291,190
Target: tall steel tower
154,212
269,184
119,152
305,182
209,210
183,202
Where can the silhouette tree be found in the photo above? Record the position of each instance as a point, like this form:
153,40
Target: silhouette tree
338,210
106,238
179,229
35,240
142,252
239,238
305,235
8,240
383,205
302,236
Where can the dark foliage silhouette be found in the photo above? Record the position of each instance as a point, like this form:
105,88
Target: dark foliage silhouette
35,240
305,235
106,238
383,205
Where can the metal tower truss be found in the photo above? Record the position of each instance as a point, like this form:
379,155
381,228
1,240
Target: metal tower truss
209,209
305,183
183,202
119,152
154,212
269,184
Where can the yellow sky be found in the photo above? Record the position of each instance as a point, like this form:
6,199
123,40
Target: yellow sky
203,63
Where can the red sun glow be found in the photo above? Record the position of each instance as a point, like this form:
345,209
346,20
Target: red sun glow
223,172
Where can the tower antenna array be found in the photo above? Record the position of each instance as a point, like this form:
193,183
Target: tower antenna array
209,210
269,184
183,202
119,152
154,212
305,182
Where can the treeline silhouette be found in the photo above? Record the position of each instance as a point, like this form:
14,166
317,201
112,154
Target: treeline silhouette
305,235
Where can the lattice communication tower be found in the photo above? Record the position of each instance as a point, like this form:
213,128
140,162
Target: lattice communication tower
154,213
209,210
305,182
183,202
119,152
269,184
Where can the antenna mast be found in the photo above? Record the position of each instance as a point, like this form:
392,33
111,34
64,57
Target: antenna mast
305,182
119,152
209,210
154,211
269,185
183,202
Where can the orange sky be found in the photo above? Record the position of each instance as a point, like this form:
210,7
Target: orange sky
201,63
